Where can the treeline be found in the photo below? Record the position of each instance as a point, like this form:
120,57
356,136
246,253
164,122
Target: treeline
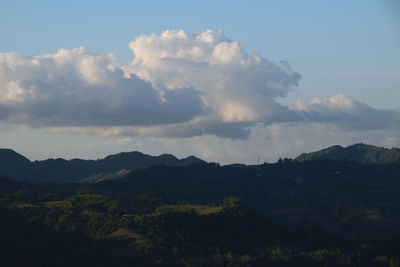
49,228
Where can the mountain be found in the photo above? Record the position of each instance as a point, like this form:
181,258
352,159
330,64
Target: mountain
113,166
139,161
345,196
9,156
288,213
12,163
61,170
361,153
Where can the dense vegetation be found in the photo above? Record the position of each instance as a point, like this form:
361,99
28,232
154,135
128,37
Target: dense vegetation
45,229
290,213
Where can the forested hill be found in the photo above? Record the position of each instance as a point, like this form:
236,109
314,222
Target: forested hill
288,213
60,170
360,153
118,165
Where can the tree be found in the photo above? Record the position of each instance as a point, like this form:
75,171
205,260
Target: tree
232,203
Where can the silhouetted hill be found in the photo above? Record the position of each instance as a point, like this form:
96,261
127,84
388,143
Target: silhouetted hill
366,154
9,156
289,213
61,170
344,197
336,194
191,160
138,161
12,163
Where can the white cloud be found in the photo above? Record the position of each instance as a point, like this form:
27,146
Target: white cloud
76,88
178,85
347,113
235,86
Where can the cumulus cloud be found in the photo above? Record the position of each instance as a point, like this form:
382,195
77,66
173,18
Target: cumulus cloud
236,84
79,88
238,89
177,85
348,113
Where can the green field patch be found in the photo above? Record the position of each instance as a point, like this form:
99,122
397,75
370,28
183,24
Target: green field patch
89,196
24,205
199,209
57,204
91,199
136,238
91,213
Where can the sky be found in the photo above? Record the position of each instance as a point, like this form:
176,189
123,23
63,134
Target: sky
227,81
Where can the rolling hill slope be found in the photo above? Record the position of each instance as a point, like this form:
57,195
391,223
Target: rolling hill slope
60,170
361,153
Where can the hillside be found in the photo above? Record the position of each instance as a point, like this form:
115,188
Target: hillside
288,213
343,196
92,171
61,170
12,163
97,178
361,153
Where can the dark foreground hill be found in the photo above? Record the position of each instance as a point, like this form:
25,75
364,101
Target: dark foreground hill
60,170
289,213
348,198
359,152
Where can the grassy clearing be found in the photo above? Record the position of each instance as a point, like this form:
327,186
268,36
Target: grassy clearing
25,205
199,209
91,213
90,196
137,239
57,204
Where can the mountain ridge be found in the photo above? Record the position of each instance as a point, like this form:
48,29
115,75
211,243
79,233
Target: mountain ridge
16,165
360,152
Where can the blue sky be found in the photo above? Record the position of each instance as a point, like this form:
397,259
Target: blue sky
338,47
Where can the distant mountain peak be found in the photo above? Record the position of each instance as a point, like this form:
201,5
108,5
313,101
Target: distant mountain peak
7,154
12,163
192,160
61,170
124,155
359,152
167,156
